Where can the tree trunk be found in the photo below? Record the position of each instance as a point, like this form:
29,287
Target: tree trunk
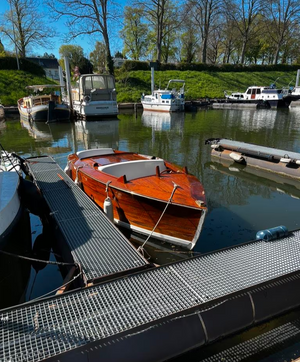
109,59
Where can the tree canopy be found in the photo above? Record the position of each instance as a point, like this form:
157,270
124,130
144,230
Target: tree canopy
25,26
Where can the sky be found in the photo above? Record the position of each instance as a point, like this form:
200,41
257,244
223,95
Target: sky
86,42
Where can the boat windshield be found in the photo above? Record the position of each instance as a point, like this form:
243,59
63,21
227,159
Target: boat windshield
98,82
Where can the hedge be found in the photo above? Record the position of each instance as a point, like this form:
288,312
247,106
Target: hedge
130,65
10,63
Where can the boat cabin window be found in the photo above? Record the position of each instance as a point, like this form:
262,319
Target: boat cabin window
254,91
98,82
110,83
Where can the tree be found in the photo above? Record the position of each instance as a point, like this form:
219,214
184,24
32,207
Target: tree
87,17
73,52
283,15
76,58
98,57
242,15
204,14
134,33
158,13
24,26
119,55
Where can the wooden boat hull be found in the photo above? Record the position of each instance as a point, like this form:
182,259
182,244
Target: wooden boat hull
180,223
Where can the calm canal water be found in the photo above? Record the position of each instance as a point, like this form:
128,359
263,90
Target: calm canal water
240,201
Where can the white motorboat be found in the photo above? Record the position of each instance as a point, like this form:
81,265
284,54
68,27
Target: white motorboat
95,96
43,107
10,205
269,97
170,99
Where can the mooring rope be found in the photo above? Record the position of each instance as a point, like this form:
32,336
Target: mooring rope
39,260
141,248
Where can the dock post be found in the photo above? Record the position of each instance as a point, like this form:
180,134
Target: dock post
68,81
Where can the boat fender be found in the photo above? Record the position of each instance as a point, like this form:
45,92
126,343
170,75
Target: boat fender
67,170
285,160
237,157
108,209
272,234
76,181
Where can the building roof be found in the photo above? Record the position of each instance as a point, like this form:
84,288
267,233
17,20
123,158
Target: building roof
45,62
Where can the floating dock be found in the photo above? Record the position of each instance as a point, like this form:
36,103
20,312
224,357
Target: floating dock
233,105
143,314
90,239
283,162
159,313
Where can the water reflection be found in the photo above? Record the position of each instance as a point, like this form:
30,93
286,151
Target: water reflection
238,206
37,130
98,134
163,121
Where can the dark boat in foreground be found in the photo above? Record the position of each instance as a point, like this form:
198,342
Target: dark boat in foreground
145,194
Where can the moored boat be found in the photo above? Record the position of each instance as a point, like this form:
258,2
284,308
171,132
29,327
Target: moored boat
142,193
284,162
169,99
95,97
267,97
43,107
10,205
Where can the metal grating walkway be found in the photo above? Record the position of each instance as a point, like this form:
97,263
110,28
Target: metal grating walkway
59,324
95,243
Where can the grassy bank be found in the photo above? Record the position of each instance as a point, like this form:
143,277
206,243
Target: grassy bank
199,85
130,85
13,83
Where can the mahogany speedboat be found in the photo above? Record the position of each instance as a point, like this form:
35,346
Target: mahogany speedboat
145,194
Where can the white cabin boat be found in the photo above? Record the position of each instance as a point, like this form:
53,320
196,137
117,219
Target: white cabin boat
95,96
10,205
263,96
165,100
43,107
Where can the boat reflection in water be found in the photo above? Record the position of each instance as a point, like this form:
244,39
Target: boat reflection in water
161,121
98,134
276,182
38,131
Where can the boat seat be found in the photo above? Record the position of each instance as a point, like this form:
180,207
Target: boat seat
94,152
134,169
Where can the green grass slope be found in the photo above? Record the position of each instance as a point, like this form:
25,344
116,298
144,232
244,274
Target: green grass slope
13,83
199,85
131,85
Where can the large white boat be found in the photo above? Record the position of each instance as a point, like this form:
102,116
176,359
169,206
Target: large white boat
270,96
170,99
95,96
43,107
10,205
